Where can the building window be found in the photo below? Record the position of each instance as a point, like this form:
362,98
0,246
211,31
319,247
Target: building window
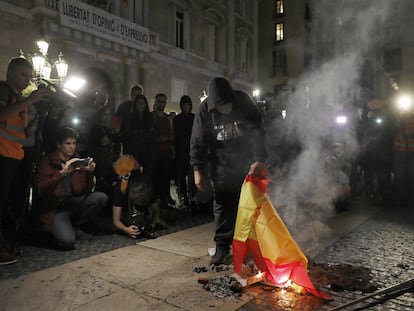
179,29
279,7
279,63
211,41
131,10
279,32
178,89
392,60
214,35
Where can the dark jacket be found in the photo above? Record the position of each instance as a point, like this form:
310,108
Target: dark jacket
183,124
136,127
48,182
228,142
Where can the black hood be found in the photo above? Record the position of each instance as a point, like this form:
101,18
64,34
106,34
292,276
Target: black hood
186,99
219,92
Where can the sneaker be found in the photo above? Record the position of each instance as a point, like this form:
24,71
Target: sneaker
222,252
5,257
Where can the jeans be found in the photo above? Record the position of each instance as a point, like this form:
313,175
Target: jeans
226,201
76,211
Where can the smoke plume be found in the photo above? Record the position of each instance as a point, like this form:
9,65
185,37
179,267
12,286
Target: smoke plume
347,33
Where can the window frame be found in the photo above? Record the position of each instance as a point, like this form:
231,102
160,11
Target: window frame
279,33
279,7
179,29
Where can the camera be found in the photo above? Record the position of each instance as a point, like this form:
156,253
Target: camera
57,95
81,163
45,105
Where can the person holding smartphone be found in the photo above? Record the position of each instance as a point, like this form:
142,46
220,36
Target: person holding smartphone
65,186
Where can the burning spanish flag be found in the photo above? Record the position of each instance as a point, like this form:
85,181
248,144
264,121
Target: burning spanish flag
261,232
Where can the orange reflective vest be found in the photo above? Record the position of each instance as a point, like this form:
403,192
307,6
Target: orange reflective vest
404,138
12,133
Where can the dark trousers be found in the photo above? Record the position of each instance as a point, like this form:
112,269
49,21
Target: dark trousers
185,179
226,201
404,176
9,170
76,211
161,174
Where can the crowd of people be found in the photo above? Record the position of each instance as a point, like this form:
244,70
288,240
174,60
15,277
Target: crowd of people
123,160
367,154
66,162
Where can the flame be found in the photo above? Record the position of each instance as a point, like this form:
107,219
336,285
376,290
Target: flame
297,288
283,279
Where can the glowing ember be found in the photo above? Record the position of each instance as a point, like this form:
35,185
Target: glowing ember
297,288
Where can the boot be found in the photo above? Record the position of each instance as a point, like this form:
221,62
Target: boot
222,251
5,257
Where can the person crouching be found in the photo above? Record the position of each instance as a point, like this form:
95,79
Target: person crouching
65,186
135,210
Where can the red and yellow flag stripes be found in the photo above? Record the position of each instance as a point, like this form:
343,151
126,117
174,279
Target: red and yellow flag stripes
261,232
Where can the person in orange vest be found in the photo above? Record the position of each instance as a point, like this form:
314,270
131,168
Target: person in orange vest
13,130
403,147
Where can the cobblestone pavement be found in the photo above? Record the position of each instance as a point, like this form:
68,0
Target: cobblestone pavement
39,257
383,244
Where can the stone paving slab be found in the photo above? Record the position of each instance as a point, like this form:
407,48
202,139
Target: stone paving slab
39,254
127,300
150,279
192,242
179,287
153,275
128,265
58,288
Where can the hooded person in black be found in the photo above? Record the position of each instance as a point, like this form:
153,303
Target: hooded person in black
227,142
183,124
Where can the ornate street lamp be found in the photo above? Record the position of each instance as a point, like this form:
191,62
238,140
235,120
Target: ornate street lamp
43,46
61,67
46,70
38,61
43,67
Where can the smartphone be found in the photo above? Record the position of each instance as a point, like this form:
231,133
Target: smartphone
82,162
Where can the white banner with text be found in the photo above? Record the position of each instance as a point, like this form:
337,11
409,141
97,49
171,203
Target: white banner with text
100,23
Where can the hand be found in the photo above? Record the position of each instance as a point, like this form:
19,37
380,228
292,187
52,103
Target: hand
68,166
200,181
258,169
91,166
133,231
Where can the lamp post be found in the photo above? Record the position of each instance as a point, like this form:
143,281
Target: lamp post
43,67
